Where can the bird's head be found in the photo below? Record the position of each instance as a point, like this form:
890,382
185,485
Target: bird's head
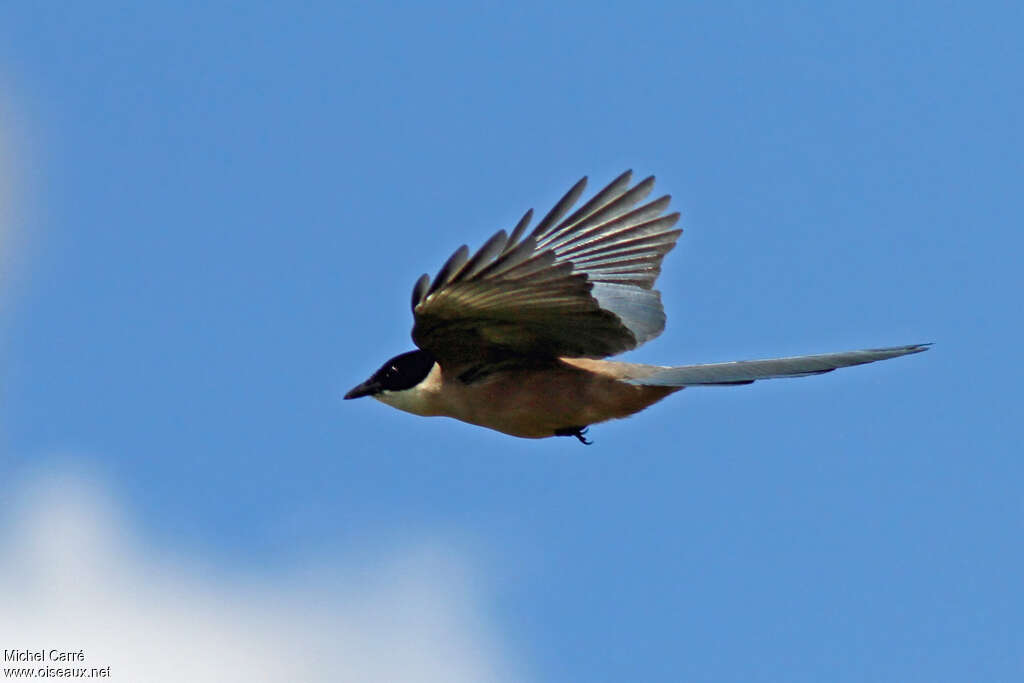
402,372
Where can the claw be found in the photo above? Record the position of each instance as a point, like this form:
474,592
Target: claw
578,432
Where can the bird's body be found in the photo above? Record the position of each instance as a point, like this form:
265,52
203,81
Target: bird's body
531,402
513,338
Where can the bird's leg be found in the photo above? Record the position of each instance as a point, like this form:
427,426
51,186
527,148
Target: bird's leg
578,432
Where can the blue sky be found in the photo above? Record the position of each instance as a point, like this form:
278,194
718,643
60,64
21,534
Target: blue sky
215,215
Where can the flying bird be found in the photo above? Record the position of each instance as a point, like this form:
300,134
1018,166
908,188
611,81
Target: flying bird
513,337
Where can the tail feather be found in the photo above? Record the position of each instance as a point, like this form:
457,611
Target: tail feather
747,371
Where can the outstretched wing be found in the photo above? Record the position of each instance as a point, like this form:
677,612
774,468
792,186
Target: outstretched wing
747,371
582,286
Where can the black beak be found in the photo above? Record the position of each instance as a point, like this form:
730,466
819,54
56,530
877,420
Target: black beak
367,388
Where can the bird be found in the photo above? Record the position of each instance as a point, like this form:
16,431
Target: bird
515,337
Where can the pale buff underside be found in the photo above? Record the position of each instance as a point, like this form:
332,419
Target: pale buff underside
531,403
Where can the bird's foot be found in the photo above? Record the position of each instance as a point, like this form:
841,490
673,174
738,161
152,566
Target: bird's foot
578,432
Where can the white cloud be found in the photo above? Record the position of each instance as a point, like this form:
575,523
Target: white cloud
73,577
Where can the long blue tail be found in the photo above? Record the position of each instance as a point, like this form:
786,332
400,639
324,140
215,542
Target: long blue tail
747,371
